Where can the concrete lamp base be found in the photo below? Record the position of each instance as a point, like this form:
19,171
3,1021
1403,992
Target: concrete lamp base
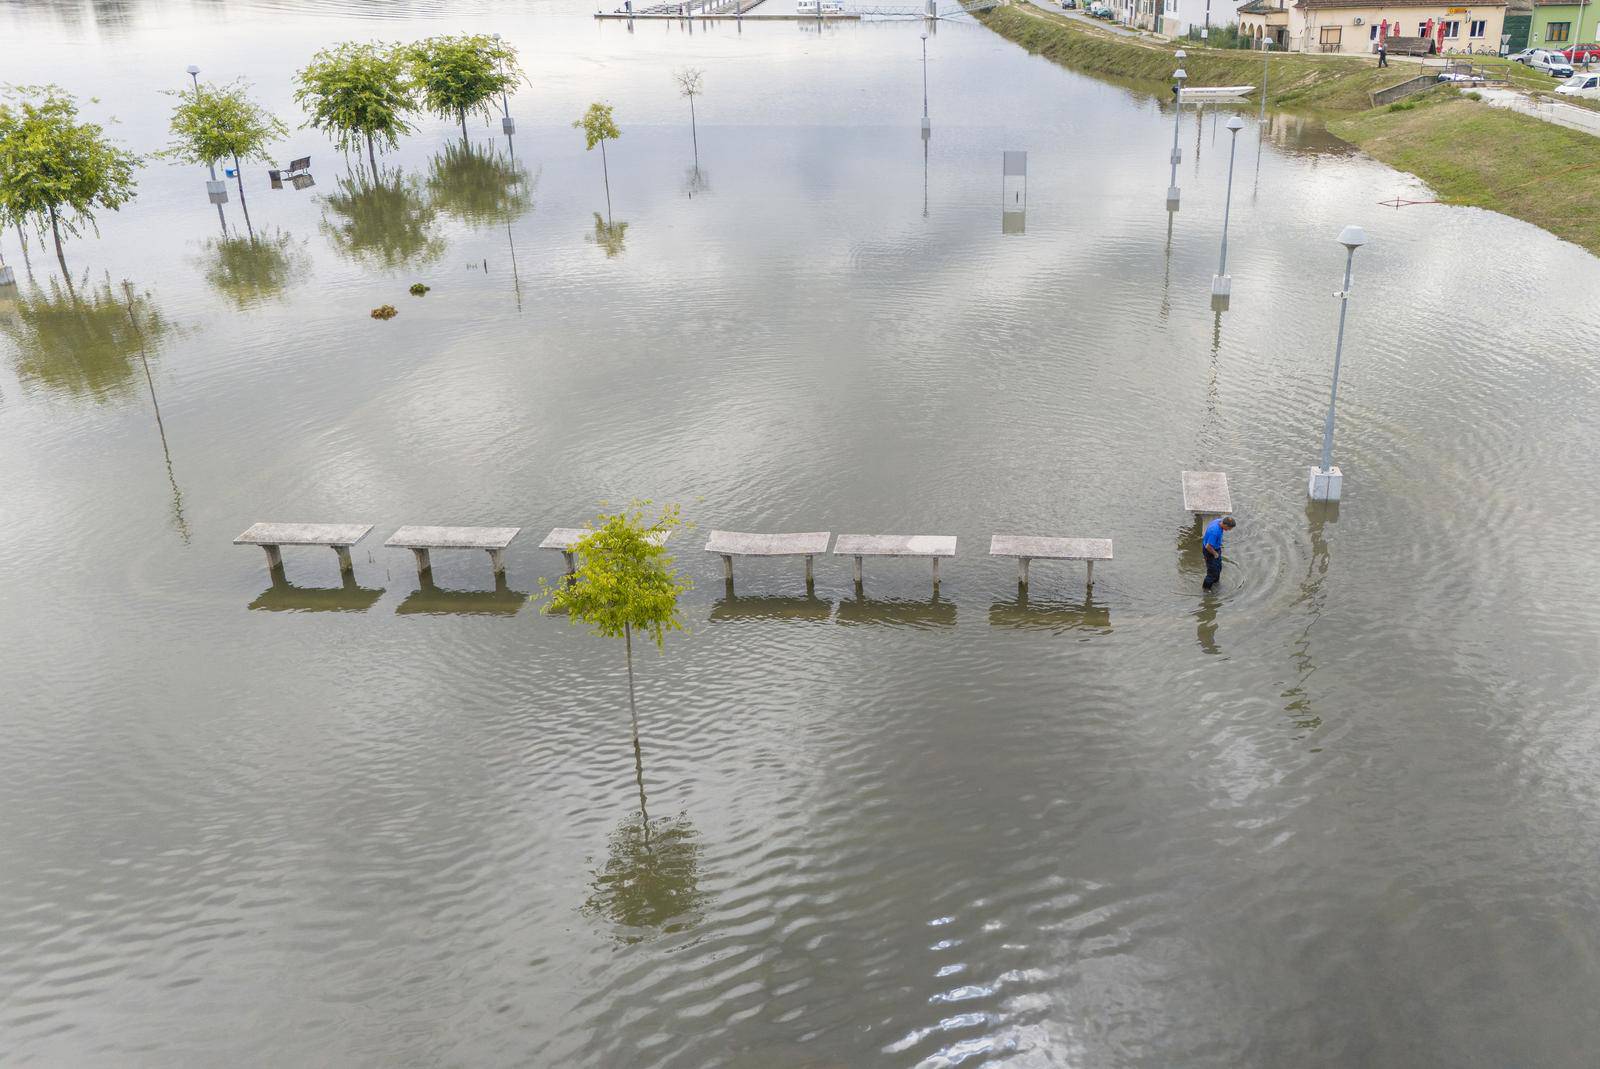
1177,157
1326,485
1172,198
508,125
1221,285
217,192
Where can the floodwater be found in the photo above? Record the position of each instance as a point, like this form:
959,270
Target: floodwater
1344,813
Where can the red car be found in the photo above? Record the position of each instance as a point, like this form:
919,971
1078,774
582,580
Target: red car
1581,53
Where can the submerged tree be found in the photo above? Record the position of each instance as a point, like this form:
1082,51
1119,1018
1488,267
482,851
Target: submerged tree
599,126
477,186
358,93
248,271
383,221
690,80
212,123
84,345
462,74
56,172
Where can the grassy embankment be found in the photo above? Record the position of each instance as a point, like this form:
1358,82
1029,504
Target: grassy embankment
1467,152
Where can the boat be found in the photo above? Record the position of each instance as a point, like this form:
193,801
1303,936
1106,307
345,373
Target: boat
1216,92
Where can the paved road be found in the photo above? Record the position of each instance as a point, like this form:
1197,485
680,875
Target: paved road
1567,115
1103,24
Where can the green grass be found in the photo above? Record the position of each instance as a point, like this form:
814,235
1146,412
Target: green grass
1492,158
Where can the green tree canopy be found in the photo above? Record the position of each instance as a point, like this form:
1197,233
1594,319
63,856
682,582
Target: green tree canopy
357,92
461,74
212,123
626,580
55,171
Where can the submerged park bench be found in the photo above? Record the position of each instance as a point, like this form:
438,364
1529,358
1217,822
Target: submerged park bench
1038,547
1205,493
337,536
566,538
731,544
862,545
419,540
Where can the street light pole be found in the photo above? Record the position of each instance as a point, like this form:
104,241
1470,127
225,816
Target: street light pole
216,192
507,125
924,73
926,129
1266,52
1178,77
1222,284
1327,481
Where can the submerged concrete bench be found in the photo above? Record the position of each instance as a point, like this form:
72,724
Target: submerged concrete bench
1205,493
565,538
339,536
861,545
731,544
1039,547
419,540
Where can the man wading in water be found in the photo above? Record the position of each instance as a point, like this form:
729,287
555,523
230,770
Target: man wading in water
1211,546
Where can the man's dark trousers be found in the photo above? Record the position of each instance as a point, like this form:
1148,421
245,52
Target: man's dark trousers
1213,571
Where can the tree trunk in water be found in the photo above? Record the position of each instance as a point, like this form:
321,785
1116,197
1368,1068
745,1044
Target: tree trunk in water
61,258
638,751
463,113
238,176
694,133
605,172
371,158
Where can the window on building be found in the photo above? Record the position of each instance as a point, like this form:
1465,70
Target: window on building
1422,29
1330,37
1452,28
1476,27
1557,32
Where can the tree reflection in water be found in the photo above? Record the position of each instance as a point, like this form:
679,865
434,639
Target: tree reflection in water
478,186
248,272
651,881
384,222
82,344
609,236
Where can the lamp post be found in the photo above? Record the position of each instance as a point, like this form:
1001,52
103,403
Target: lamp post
926,129
1327,481
1178,77
1222,283
508,125
1266,52
216,192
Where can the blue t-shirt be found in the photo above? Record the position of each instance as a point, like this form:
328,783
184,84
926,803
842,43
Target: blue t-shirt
1213,536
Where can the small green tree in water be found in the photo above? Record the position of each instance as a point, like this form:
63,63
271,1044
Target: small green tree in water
462,74
358,93
599,126
213,123
55,171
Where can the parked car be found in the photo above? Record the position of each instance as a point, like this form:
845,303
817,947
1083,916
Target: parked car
1543,59
1580,85
1069,5
1581,53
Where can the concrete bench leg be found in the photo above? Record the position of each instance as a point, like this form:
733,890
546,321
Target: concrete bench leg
497,561
936,571
727,567
345,567
1091,574
274,558
808,570
858,571
424,564
1022,571
572,564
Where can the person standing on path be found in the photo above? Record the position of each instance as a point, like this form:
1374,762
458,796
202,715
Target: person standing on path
1211,546
1383,54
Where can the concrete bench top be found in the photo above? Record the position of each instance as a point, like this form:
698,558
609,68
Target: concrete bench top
1206,492
564,538
860,545
746,544
303,534
453,537
1039,547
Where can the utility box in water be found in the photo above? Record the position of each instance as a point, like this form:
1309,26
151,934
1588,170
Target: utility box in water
508,125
